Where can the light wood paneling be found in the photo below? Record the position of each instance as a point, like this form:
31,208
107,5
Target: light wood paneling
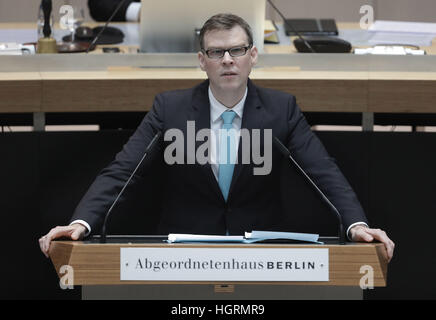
98,264
20,92
321,91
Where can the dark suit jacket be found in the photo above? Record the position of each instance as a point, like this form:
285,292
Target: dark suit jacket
101,10
192,200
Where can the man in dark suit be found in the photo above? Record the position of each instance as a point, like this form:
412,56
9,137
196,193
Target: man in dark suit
220,197
101,10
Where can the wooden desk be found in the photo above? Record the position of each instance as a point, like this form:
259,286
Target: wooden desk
321,83
134,89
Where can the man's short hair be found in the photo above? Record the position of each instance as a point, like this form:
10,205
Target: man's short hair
225,21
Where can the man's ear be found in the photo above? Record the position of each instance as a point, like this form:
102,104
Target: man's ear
254,54
201,59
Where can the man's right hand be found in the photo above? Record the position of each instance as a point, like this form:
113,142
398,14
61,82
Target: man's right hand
74,232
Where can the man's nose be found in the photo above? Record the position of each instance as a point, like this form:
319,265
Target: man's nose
227,59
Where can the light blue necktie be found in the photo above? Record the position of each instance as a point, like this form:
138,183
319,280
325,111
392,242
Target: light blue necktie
227,153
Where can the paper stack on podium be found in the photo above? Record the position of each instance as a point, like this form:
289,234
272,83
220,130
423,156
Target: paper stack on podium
249,237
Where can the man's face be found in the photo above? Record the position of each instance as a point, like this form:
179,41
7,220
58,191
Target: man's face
227,73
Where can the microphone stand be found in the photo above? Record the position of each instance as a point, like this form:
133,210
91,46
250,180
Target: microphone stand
147,150
47,44
105,26
292,27
287,153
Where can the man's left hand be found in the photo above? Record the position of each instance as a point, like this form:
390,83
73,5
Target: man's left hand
362,233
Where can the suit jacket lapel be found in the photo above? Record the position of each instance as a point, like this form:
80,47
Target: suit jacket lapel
251,119
200,113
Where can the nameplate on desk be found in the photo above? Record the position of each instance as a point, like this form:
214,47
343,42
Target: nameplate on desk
224,264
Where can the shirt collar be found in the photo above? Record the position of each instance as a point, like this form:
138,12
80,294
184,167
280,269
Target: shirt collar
217,108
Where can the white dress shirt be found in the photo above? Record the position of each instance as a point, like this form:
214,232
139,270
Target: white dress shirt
216,122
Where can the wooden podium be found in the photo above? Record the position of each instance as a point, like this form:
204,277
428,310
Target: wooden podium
99,264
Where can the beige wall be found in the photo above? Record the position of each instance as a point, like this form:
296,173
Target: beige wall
348,10
341,10
409,10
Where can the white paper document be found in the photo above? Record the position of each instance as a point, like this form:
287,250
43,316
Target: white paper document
393,38
250,237
179,237
389,50
402,32
271,235
403,26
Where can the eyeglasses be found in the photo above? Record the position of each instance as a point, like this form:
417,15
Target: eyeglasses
233,52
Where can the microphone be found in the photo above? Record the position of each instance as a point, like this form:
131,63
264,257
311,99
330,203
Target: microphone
287,153
147,150
46,43
105,25
46,7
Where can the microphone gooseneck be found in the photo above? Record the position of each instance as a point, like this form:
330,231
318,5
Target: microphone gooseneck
147,150
105,25
292,27
282,148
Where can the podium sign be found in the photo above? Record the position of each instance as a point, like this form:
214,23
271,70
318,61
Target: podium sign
224,264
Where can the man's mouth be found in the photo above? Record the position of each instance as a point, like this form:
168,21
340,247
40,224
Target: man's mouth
228,74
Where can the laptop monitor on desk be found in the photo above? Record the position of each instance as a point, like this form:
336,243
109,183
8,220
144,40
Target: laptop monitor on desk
170,25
